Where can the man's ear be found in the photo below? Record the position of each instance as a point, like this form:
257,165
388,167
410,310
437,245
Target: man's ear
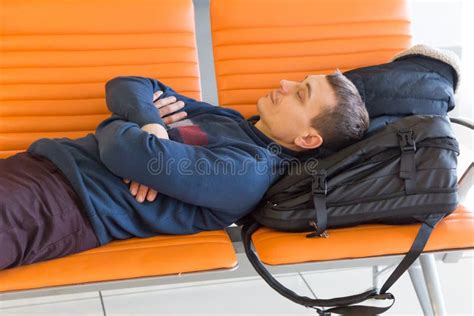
310,141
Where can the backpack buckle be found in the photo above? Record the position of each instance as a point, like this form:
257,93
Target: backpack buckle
312,235
384,296
319,185
407,140
323,312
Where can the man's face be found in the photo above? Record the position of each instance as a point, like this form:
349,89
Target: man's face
286,112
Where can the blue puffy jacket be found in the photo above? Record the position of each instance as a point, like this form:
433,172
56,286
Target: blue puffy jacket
409,85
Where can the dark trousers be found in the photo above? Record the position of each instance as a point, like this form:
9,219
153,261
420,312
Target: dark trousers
41,216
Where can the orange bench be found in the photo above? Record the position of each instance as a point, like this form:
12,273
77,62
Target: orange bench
53,70
54,66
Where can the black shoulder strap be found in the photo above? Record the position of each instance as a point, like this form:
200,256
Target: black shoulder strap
407,159
341,304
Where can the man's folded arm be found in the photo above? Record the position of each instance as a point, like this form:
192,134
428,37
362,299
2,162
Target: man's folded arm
131,97
223,178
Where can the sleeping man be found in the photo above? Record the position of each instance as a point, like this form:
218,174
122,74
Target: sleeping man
137,176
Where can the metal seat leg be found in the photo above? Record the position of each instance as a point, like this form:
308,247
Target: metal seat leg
430,272
418,281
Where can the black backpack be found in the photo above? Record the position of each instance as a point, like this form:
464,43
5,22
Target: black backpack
403,173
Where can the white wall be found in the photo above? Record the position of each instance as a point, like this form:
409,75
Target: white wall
449,24
437,22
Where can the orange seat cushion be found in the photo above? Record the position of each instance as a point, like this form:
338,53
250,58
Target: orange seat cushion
455,231
56,57
133,258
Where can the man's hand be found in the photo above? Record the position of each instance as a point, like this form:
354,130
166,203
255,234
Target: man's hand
165,106
141,192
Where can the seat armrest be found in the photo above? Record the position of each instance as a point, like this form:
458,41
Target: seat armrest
466,182
467,179
462,121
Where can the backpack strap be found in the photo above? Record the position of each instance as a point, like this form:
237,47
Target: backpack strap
407,159
415,250
319,190
342,303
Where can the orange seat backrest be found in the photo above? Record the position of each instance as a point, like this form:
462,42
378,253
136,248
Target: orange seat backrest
56,57
258,43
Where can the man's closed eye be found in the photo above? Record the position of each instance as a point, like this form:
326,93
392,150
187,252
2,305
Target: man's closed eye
301,95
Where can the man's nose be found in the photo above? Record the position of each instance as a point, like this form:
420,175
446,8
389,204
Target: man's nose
285,86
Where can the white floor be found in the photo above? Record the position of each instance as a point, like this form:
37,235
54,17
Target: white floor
250,296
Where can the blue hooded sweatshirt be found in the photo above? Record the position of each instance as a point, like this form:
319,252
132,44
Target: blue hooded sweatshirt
213,170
